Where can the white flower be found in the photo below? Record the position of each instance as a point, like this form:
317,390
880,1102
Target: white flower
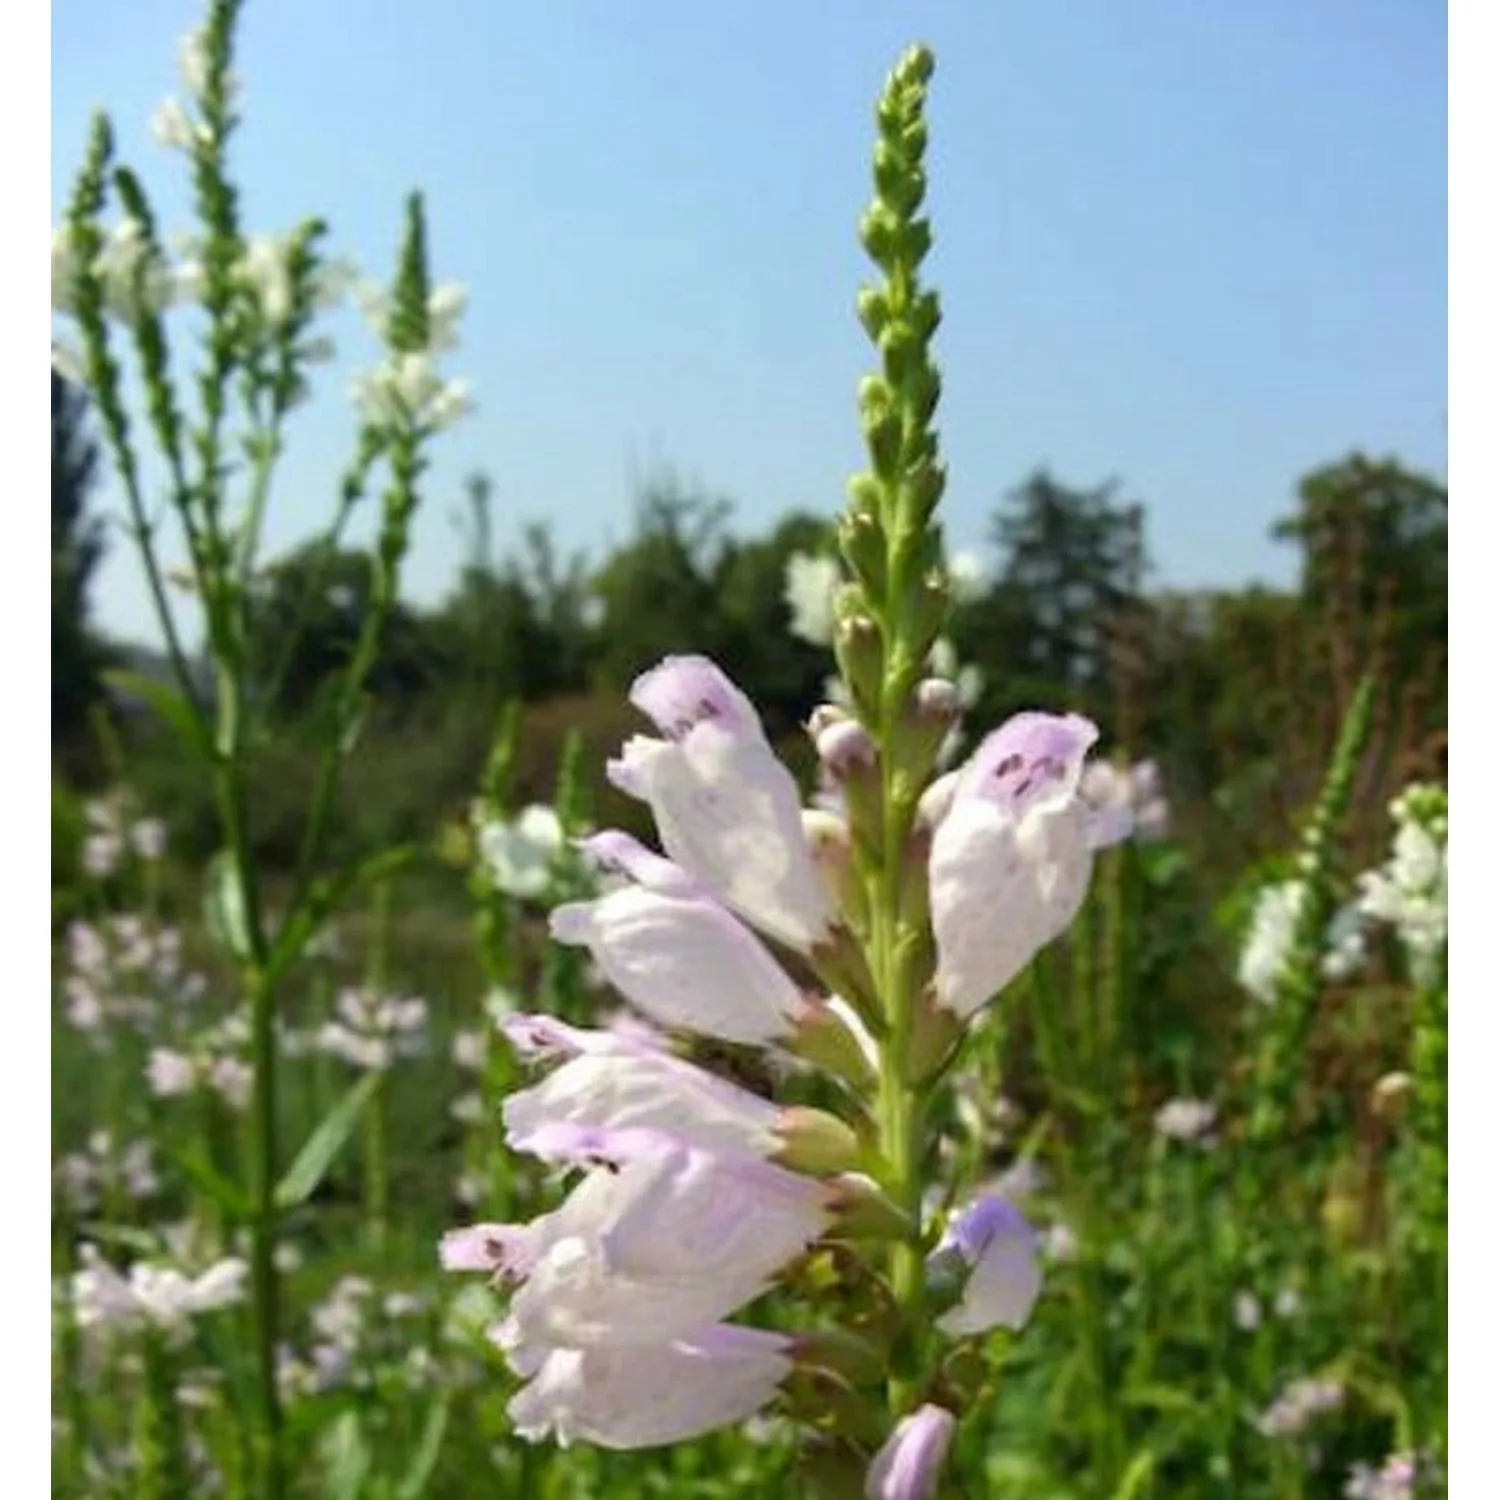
1247,1314
967,577
727,810
134,278
1011,856
148,837
644,1397
1268,943
170,1074
520,854
1133,792
469,1050
467,1109
406,388
373,1030
1185,1119
157,1295
810,585
1059,1243
1287,1303
1273,928
1410,892
1294,1409
659,1241
1004,1280
614,1082
172,126
657,940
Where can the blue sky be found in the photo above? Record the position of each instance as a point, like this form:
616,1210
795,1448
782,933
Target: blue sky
1195,245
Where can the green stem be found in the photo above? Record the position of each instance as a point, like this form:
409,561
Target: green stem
377,1175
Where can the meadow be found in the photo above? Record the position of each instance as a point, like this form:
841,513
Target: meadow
307,883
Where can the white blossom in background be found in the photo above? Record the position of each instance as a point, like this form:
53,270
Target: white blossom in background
1273,926
1186,1120
1135,791
86,1179
522,854
968,576
810,584
1396,1479
174,1074
1298,1405
406,385
1247,1311
467,1109
1287,1303
374,1030
942,661
159,1296
1410,891
470,1049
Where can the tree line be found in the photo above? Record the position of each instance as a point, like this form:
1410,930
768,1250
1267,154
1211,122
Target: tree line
1215,684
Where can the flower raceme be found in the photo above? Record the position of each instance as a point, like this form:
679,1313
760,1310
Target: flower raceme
693,1196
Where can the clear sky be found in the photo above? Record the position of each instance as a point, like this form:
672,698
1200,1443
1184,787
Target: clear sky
1196,245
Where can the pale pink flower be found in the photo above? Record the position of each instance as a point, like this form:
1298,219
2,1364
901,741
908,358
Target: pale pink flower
612,1082
1011,855
675,953
909,1464
1004,1279
727,810
644,1397
657,1240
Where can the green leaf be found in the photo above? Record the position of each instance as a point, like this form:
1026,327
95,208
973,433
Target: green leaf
348,1458
141,1241
224,911
1164,1398
1137,1475
325,1143
193,1163
324,898
167,700
424,1460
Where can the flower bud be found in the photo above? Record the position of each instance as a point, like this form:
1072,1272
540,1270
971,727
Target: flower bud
862,542
820,1036
827,837
815,1143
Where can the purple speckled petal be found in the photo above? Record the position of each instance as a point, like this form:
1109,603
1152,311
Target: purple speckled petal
682,692
1032,757
542,1037
1004,1278
502,1249
617,852
971,1231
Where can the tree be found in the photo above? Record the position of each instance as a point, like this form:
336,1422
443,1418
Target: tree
77,548
1073,563
783,675
1374,541
660,591
306,618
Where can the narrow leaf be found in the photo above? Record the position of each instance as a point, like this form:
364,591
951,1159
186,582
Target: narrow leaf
419,1471
324,1144
168,701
